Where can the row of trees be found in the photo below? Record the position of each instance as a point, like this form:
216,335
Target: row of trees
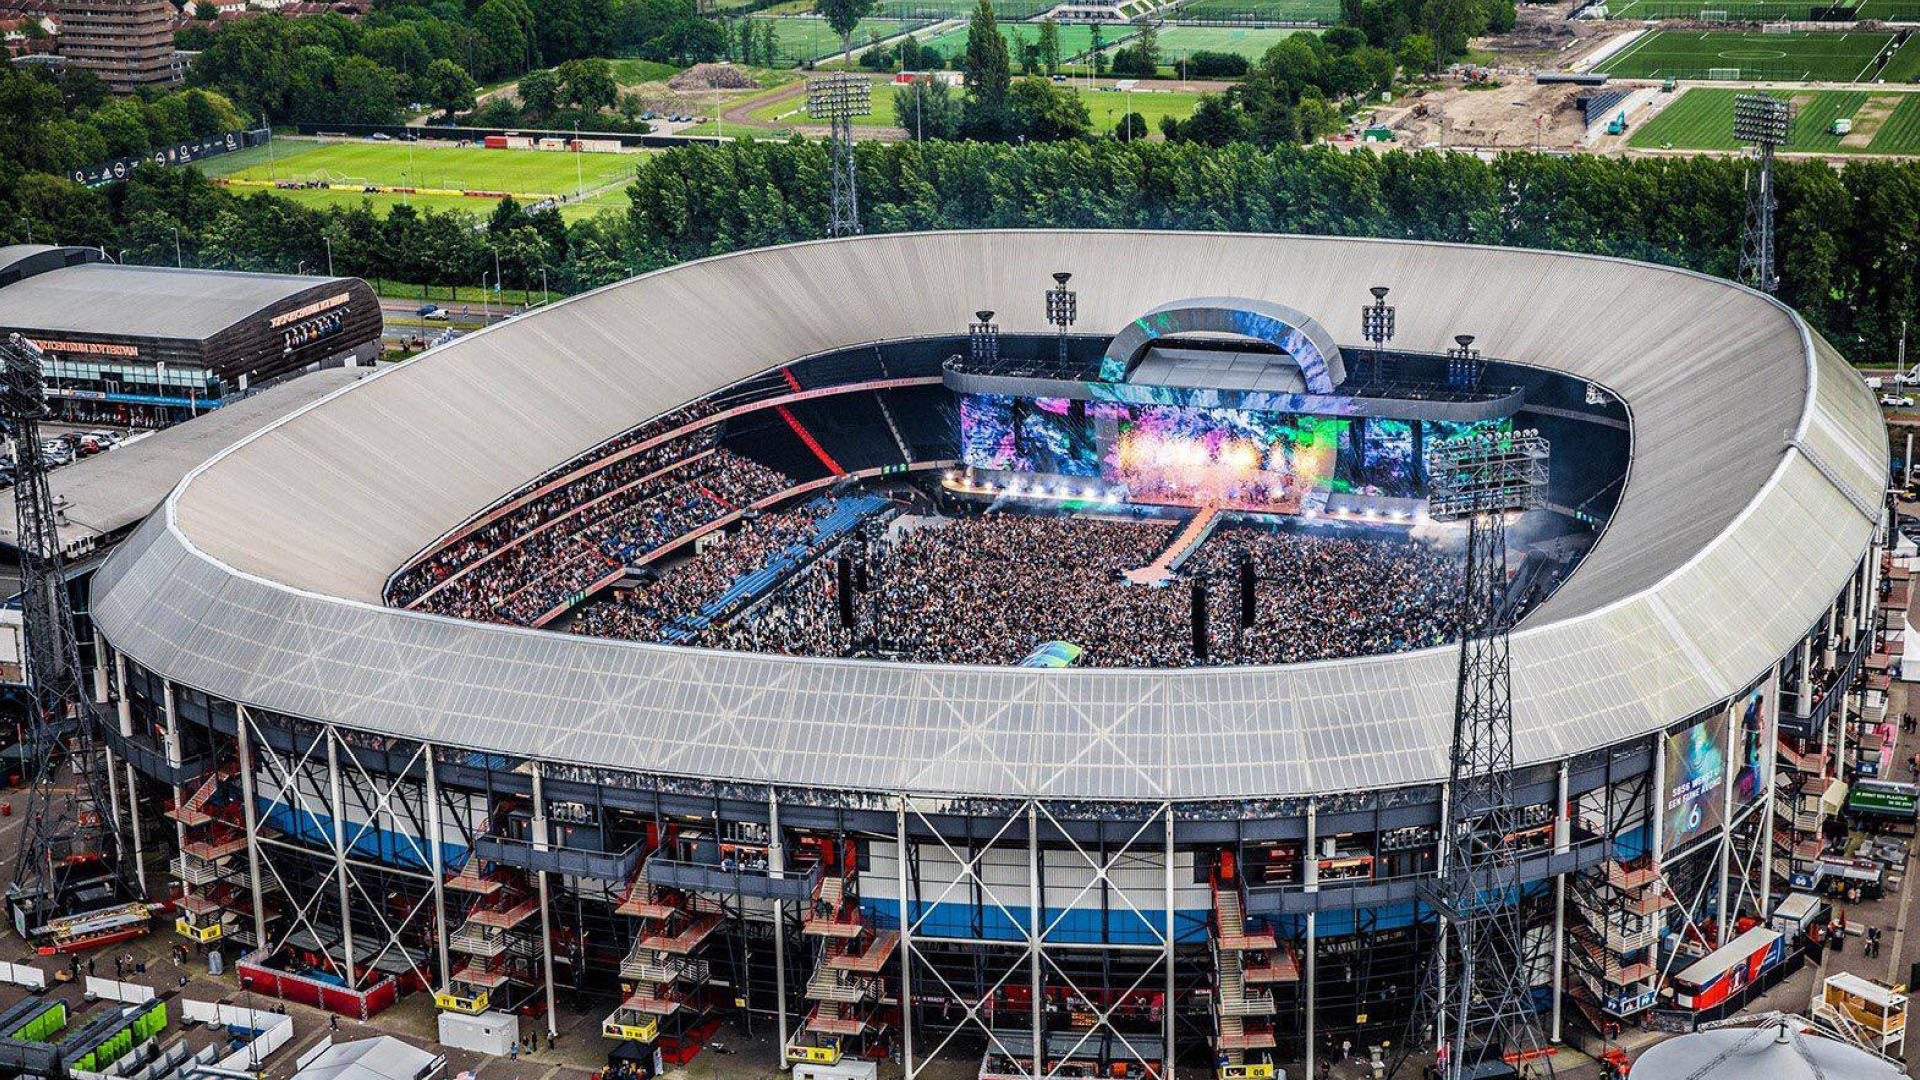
60,125
1849,241
329,68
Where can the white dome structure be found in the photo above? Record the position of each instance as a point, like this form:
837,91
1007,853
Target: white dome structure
1780,1049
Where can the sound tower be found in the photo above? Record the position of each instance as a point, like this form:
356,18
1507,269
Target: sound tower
1246,590
1200,619
843,580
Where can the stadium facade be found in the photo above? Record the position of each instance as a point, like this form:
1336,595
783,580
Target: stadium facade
154,345
1207,868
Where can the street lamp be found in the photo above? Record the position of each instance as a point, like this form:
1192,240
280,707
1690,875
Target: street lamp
544,299
486,311
177,261
328,240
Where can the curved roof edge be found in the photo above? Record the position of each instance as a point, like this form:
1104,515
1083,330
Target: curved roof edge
1734,533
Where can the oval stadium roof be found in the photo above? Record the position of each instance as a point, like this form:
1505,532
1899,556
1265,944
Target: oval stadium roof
1757,470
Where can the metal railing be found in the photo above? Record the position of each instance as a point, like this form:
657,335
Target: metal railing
764,884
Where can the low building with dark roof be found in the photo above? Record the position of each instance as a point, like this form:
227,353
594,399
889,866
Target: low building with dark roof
155,344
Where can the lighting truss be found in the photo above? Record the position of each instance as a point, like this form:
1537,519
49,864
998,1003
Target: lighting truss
1376,324
1486,472
1464,367
983,339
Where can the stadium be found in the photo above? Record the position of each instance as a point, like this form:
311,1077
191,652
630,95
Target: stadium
918,656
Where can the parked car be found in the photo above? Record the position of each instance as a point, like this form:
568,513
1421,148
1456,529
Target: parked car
1896,401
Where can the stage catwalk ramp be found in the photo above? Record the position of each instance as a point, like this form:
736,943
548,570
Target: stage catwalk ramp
1757,468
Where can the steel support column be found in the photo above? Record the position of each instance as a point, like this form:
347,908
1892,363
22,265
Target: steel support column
1166,1046
437,860
540,883
1310,875
243,742
124,713
777,861
1562,843
906,937
340,854
1034,935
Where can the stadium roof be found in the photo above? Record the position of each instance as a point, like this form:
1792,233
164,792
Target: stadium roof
1758,471
109,492
100,298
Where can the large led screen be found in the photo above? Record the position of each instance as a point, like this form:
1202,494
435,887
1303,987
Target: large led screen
1693,788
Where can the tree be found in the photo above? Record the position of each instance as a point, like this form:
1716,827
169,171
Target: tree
842,17
1131,126
1049,46
928,110
540,92
447,87
367,93
989,74
1417,53
502,32
588,85
1043,112
205,11
1097,49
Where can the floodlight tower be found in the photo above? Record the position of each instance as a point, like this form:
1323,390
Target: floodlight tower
1761,119
70,852
1484,1013
1376,326
838,98
1464,366
1063,306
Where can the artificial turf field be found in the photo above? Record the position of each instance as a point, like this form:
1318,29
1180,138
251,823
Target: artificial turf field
798,40
1762,10
1105,107
1075,39
1820,56
1259,11
1884,123
1178,42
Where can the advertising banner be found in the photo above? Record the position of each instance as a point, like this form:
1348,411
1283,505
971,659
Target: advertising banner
1693,789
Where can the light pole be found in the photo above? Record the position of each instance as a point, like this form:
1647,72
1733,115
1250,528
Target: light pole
177,261
328,240
486,311
544,298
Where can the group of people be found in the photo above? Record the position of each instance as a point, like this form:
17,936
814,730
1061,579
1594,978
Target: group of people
540,571
643,613
1317,597
989,589
566,500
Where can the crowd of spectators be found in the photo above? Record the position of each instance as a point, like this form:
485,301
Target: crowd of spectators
988,590
547,566
644,612
564,501
1318,597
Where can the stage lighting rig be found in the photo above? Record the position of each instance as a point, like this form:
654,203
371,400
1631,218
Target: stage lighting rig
1063,307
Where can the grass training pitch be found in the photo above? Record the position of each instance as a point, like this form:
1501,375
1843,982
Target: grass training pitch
1075,39
1749,11
466,168
1702,119
798,40
1179,42
1258,11
1824,56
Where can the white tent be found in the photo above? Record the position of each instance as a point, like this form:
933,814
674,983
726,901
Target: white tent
1779,1049
380,1058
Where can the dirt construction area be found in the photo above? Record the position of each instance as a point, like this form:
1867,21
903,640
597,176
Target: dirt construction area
1510,116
